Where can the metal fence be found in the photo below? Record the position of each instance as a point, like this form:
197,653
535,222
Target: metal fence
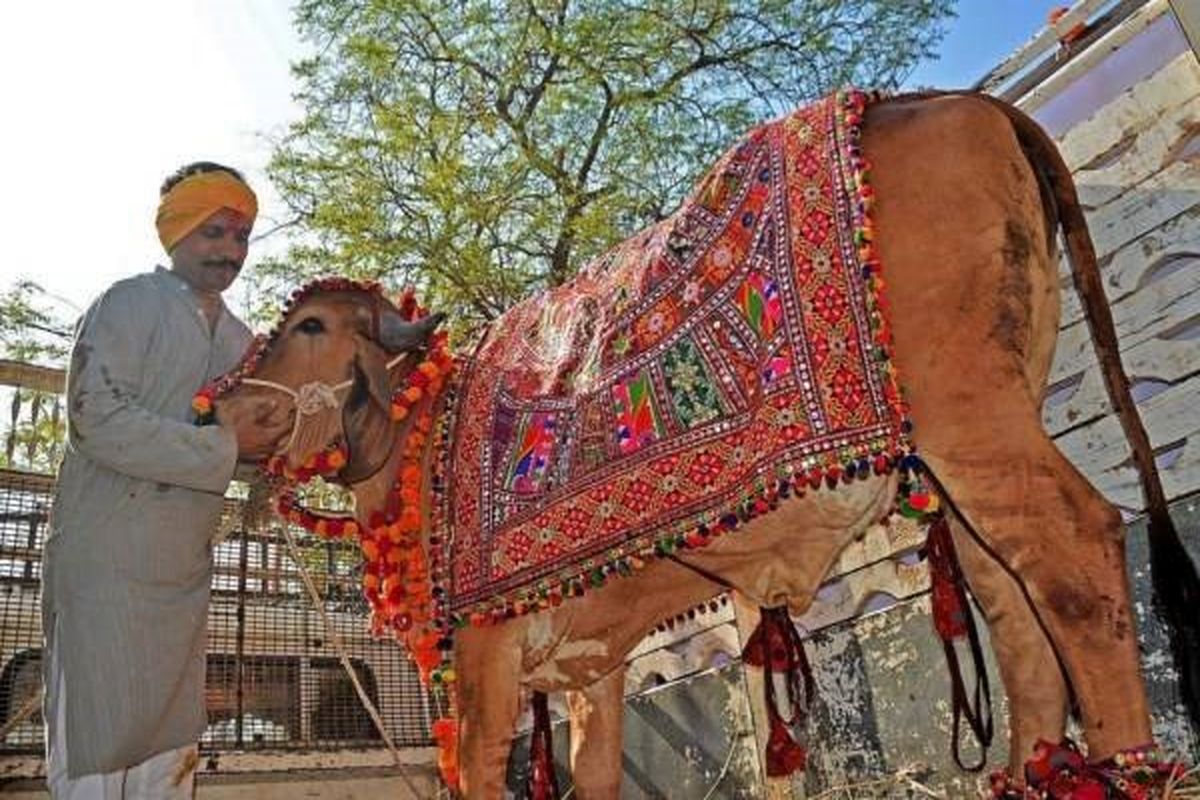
275,681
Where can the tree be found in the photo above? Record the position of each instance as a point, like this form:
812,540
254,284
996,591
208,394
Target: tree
482,150
32,333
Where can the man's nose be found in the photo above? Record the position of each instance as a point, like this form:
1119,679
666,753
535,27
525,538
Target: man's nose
233,249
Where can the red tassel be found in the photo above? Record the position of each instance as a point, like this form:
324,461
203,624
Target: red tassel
776,646
949,613
952,619
543,783
784,755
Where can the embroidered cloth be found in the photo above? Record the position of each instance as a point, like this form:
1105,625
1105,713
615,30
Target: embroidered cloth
678,377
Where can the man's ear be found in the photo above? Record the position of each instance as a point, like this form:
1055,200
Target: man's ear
366,415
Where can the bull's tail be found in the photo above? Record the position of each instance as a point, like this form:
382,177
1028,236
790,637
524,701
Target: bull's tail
1173,573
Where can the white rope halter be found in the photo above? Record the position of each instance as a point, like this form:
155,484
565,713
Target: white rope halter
312,398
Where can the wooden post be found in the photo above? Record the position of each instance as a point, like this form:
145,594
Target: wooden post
1187,13
32,376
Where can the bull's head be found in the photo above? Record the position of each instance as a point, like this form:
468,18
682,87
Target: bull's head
336,356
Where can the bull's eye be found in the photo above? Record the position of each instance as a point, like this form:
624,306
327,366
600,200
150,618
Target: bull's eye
311,326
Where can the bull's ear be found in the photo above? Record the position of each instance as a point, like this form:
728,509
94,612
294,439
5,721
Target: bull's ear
366,415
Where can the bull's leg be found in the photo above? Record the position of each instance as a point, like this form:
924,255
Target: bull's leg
1065,541
1037,692
972,279
597,715
488,666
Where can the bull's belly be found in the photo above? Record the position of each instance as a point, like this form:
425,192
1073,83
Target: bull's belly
783,556
778,558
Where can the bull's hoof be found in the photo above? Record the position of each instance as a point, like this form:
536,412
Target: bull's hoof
1060,772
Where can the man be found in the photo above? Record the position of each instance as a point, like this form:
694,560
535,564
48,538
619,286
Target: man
128,561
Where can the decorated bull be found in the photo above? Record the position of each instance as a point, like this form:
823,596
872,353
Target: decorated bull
726,400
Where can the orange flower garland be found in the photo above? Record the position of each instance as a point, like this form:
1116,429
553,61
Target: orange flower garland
396,576
396,579
324,464
445,733
396,573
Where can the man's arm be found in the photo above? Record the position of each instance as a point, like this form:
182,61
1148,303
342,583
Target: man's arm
107,420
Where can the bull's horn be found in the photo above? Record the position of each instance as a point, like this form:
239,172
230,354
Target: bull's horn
398,335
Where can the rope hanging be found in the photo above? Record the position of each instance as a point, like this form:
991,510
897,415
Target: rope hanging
953,620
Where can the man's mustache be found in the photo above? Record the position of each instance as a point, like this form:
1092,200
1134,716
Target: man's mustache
224,262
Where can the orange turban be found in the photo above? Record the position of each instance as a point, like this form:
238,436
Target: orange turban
195,199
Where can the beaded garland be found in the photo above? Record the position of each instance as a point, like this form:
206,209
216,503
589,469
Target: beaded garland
1060,772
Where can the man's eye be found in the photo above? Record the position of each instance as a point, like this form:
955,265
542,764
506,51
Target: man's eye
311,325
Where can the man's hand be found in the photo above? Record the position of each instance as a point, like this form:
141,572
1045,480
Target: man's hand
259,425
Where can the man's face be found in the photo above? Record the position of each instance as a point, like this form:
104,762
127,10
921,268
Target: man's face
210,257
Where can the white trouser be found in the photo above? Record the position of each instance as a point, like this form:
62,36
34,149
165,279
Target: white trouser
166,776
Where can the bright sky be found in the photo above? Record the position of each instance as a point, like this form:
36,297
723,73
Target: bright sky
103,100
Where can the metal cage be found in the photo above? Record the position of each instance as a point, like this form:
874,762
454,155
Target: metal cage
275,680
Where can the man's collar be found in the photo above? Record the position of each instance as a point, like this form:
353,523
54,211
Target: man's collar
172,277
176,279
175,282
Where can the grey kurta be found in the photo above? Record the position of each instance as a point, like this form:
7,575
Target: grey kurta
128,561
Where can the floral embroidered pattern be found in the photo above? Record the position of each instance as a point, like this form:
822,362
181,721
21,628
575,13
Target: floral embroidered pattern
691,388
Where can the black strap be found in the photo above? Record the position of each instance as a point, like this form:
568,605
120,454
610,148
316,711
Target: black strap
976,709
